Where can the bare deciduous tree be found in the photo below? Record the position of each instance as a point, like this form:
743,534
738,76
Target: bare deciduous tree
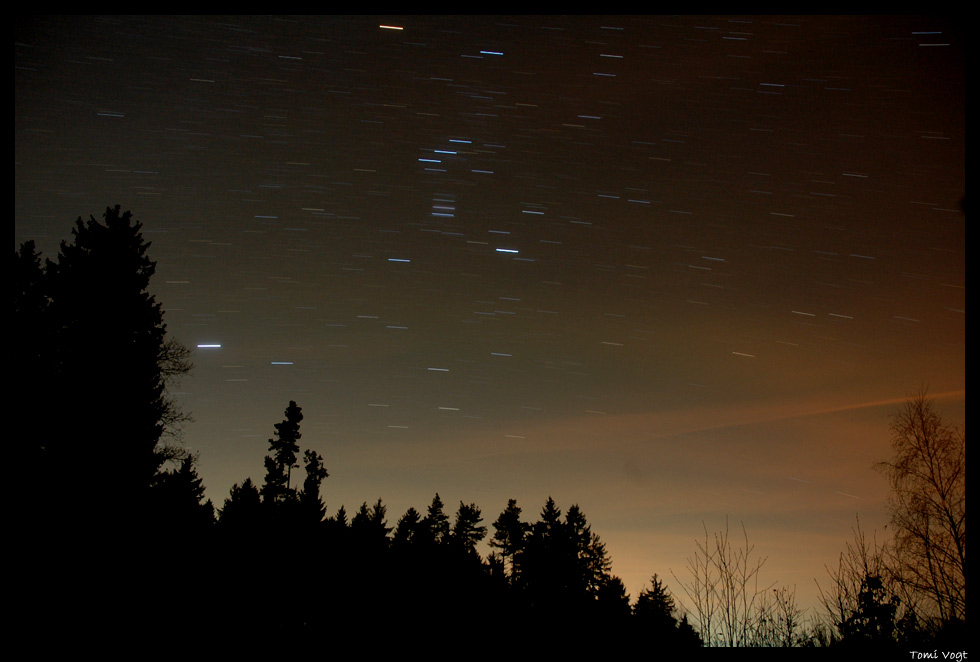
174,359
780,621
928,507
724,590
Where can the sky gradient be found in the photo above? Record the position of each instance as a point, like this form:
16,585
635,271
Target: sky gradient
672,269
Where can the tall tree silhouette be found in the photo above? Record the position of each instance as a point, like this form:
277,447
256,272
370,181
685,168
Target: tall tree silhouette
284,446
467,532
510,534
655,605
179,501
543,571
309,497
105,363
612,603
406,529
927,475
94,376
370,527
562,572
338,525
435,524
586,551
242,507
655,613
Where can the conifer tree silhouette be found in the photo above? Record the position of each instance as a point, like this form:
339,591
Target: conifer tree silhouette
96,343
510,534
96,347
310,501
284,447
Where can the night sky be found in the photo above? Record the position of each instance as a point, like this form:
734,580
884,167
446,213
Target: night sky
671,269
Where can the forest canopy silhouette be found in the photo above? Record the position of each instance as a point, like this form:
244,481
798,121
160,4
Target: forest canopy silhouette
95,420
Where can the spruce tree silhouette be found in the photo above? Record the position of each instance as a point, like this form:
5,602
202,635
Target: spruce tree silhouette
177,497
94,371
510,534
242,507
369,528
544,565
95,338
467,532
108,369
311,504
435,524
338,525
655,614
406,529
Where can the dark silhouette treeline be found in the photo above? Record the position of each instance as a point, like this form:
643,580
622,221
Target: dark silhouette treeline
116,541
424,572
